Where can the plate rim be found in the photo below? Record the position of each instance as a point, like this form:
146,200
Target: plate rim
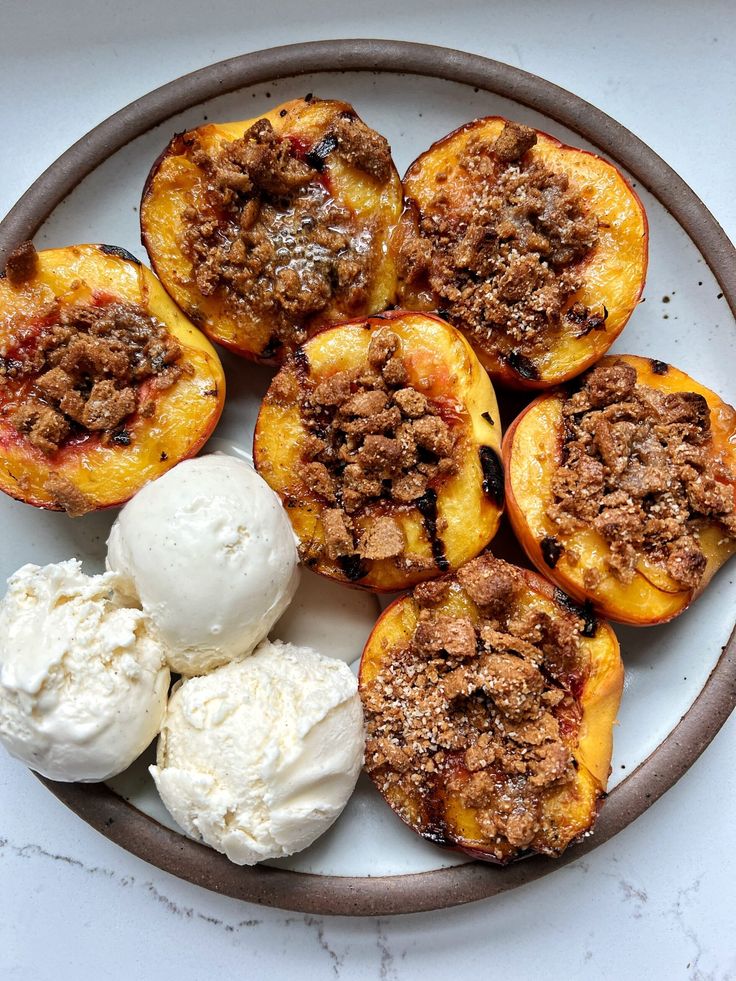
141,835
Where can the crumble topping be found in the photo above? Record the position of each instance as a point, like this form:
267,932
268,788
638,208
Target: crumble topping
503,258
271,239
22,264
638,467
483,709
375,442
83,373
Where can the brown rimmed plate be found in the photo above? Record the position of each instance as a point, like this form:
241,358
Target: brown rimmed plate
672,707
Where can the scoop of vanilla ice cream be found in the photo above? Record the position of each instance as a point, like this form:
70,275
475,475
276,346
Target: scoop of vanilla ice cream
260,757
209,552
83,683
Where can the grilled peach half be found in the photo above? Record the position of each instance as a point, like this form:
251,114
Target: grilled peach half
603,282
381,438
534,449
89,468
479,779
336,192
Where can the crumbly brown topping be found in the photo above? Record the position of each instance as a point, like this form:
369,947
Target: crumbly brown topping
484,710
83,372
22,264
375,446
360,146
502,258
271,239
639,468
68,497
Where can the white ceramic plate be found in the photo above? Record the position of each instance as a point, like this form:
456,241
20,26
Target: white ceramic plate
683,318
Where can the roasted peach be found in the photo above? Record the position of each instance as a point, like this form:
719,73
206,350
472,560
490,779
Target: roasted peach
381,438
624,491
104,384
264,231
490,701
537,251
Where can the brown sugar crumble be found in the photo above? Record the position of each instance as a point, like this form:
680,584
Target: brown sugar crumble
22,264
638,467
375,446
503,259
82,373
484,710
270,238
68,497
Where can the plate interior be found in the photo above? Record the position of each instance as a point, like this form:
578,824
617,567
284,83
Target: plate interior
683,319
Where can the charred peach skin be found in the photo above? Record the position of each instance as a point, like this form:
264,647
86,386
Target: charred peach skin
467,506
612,272
433,808
532,452
176,183
90,473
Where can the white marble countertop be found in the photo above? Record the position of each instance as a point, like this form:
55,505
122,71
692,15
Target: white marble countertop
658,900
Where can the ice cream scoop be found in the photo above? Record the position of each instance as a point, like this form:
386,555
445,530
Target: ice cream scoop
209,554
83,683
258,758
